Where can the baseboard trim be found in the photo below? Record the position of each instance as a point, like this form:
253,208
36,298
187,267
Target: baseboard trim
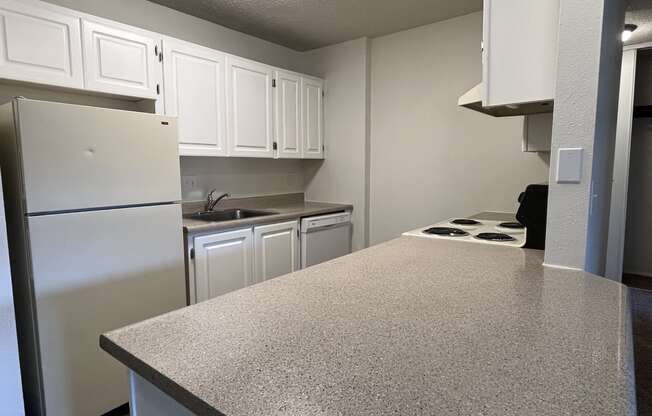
638,273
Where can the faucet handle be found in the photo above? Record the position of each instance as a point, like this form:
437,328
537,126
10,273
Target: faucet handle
209,200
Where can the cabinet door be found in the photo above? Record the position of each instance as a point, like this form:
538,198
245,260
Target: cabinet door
276,250
40,44
223,263
194,92
520,51
249,108
312,91
120,61
287,106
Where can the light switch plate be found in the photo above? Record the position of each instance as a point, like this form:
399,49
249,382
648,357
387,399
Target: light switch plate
569,165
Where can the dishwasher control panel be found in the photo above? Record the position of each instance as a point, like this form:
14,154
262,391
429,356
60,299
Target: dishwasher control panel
325,220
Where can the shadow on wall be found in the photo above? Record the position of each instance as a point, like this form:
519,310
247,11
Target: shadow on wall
310,170
10,91
545,157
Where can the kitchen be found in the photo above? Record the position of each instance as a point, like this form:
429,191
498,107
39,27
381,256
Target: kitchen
367,127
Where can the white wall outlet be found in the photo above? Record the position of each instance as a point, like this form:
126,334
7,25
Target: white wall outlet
189,183
569,165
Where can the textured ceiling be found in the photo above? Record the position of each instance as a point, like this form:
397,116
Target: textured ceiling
639,13
309,24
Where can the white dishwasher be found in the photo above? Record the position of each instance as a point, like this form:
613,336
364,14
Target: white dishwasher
325,237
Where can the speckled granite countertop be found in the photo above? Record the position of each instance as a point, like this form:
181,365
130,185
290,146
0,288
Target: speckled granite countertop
285,207
412,326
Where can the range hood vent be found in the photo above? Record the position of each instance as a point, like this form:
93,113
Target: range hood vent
473,100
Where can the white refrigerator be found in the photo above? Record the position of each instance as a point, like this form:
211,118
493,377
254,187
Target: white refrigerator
11,392
94,219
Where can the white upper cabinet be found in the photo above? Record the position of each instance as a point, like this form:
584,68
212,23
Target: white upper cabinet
519,51
195,93
40,44
226,105
276,250
120,61
249,108
223,263
287,110
312,92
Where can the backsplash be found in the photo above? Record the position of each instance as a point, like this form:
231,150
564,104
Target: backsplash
242,177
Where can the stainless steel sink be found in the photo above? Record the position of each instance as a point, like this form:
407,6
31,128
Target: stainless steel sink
228,214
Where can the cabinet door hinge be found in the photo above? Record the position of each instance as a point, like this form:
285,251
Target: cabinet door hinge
323,94
156,50
273,83
158,89
275,146
192,253
160,57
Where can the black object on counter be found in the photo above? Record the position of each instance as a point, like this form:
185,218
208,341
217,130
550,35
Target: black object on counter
533,213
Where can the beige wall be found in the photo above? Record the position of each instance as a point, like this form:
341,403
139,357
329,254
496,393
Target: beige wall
341,177
431,159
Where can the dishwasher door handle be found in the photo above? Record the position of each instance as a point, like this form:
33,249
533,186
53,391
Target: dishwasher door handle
326,227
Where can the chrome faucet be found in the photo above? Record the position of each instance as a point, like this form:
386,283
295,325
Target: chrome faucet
211,201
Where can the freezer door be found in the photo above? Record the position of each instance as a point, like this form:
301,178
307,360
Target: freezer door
77,157
94,272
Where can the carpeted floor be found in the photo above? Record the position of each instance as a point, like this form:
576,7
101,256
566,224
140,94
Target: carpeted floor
642,316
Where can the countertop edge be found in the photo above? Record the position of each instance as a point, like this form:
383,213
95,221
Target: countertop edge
184,397
268,219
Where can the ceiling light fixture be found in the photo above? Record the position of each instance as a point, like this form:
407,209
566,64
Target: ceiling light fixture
627,31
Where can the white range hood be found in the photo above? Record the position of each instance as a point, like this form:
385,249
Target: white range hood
472,99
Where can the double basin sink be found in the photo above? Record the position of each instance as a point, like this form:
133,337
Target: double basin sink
228,214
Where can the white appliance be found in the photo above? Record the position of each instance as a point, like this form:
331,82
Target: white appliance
11,391
94,220
505,233
325,237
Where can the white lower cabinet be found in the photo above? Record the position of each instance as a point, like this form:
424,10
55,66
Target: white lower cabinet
223,263
276,250
231,260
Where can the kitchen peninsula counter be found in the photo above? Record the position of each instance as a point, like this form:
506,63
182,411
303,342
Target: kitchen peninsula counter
412,326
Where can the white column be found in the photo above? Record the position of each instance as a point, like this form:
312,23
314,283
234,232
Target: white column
585,113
